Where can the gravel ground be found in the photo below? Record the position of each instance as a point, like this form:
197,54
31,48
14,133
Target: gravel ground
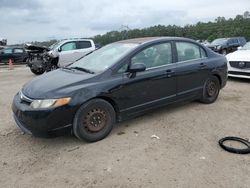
186,155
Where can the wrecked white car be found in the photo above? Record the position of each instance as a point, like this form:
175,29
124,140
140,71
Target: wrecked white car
60,54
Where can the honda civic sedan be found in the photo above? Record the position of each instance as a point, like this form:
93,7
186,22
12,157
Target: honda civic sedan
119,81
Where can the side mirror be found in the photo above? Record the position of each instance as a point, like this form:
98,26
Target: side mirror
137,67
59,49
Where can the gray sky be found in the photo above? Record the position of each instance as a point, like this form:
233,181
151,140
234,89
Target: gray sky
30,20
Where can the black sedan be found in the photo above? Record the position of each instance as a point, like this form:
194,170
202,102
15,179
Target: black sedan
16,54
117,82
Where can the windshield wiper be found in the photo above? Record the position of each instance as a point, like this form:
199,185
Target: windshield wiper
82,69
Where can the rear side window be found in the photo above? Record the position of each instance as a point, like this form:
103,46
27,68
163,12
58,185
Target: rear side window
18,50
84,44
69,46
189,51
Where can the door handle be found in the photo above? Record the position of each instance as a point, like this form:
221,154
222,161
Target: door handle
202,66
170,73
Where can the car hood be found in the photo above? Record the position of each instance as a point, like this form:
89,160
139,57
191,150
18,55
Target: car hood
239,55
34,48
211,45
56,84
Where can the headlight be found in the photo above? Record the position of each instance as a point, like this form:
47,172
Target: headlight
218,47
50,103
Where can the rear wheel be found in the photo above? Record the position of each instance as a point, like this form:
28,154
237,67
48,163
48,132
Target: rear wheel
211,90
94,120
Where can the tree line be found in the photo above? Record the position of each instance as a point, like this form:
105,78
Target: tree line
219,28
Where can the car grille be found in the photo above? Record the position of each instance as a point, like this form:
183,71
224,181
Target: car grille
240,64
239,73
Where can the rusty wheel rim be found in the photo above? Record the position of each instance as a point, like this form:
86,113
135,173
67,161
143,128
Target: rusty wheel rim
95,120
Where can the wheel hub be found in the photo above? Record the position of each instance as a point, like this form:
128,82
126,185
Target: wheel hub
95,120
211,88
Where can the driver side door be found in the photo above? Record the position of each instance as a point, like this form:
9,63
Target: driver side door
153,87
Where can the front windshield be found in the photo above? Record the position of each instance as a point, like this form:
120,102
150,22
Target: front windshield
105,57
219,41
246,46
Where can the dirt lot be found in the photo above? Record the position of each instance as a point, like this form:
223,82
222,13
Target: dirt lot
186,155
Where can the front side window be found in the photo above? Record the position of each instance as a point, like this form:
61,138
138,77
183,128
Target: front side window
7,51
69,46
188,51
154,56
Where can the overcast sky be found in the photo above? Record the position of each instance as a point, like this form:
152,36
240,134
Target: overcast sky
30,20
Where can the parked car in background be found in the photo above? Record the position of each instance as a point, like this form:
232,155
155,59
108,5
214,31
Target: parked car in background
60,54
226,45
16,54
116,82
3,42
239,62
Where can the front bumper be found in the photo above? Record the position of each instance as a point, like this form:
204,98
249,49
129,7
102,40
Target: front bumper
238,72
42,122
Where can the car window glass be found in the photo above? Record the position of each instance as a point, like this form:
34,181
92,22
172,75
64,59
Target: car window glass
203,53
84,44
69,46
18,50
123,69
105,57
154,56
230,41
7,51
188,51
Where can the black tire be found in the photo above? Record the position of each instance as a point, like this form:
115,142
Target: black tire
211,90
235,150
37,72
94,120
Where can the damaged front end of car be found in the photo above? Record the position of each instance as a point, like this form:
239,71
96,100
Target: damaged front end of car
39,59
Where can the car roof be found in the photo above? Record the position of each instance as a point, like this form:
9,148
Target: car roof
12,47
75,39
151,39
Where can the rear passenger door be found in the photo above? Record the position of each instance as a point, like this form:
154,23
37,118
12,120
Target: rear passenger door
84,47
18,54
192,68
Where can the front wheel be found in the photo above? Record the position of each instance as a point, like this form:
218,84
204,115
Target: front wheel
37,71
211,90
94,120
